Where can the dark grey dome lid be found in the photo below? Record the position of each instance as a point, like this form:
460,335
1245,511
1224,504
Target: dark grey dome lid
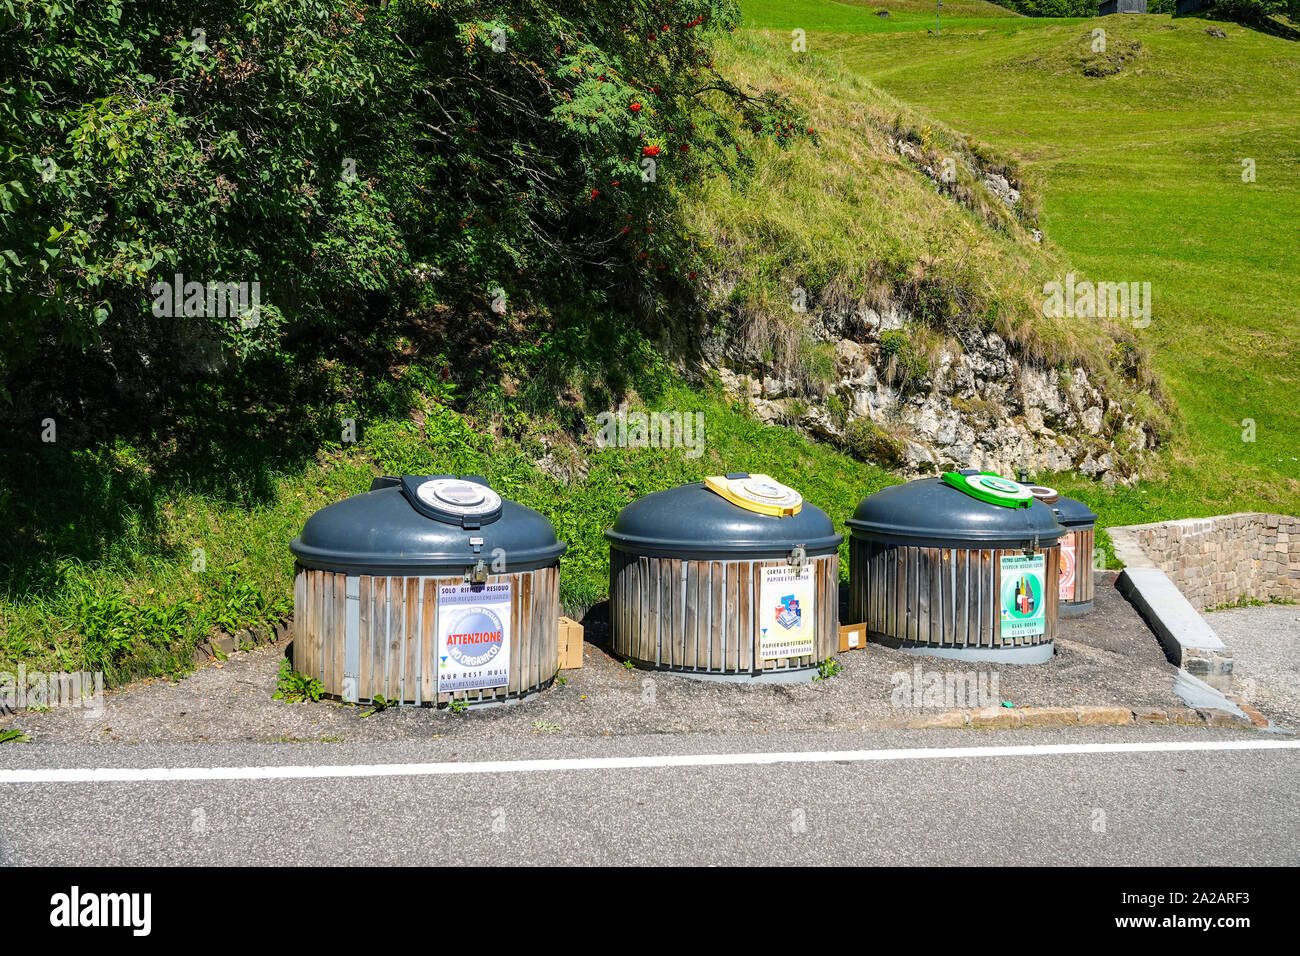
381,531
690,521
932,512
1073,513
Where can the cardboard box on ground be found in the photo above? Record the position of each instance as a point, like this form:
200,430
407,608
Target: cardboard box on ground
570,644
852,637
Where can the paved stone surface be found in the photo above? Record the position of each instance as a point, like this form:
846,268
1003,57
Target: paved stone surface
1266,644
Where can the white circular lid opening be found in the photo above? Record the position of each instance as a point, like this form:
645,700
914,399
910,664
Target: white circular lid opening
1002,487
458,497
766,489
1045,494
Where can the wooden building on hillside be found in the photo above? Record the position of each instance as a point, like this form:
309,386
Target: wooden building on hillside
1108,7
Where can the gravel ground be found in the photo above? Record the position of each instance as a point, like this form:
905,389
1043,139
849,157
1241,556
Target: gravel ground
1265,644
1108,657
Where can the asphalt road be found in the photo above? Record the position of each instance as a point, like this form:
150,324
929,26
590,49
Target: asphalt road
906,806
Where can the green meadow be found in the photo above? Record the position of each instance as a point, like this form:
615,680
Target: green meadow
863,16
1136,156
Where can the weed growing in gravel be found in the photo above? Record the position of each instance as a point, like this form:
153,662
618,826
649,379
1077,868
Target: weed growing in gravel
828,668
14,737
458,706
294,687
1244,601
379,703
545,727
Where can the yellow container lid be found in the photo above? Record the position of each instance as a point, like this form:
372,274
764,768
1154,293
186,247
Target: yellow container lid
758,493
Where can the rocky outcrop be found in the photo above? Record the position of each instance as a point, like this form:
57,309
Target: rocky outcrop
940,167
976,404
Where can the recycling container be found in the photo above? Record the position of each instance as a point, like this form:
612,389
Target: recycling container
1076,584
964,565
730,578
427,589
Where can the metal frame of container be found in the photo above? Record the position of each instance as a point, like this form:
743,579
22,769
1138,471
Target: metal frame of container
929,586
699,617
893,586
365,623
1080,525
365,636
685,581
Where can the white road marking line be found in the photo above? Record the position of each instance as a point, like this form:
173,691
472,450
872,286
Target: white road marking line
142,774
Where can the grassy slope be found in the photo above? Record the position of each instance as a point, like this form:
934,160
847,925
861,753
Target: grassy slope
146,576
852,222
1139,175
843,215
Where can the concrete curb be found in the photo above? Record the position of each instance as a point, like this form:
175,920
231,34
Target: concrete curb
1006,718
1188,640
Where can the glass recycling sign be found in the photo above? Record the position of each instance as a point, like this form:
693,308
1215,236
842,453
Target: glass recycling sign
1024,601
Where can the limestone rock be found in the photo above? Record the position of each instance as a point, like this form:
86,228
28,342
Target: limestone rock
979,406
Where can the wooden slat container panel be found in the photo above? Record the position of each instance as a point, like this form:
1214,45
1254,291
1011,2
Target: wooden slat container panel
732,635
1085,548
745,616
938,597
411,644
299,618
701,616
691,615
717,615
324,610
396,634
428,638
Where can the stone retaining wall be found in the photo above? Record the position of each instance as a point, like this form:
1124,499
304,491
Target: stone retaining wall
1218,560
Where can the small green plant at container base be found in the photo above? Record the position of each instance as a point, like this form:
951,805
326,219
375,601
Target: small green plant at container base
458,706
828,668
294,687
628,665
380,702
14,737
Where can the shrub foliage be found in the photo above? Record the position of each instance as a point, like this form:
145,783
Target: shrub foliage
344,155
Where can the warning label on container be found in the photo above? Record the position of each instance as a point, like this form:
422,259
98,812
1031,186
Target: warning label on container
1067,568
1024,603
473,636
787,611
